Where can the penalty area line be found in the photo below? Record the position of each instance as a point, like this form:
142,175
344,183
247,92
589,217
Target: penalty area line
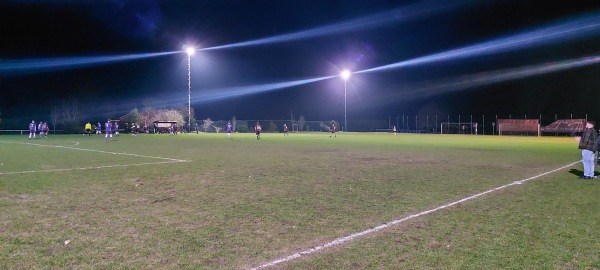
347,238
91,168
99,151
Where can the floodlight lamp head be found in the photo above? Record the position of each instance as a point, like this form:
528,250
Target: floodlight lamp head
345,74
190,50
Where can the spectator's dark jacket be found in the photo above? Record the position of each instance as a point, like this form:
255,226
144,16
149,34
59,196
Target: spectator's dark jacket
589,140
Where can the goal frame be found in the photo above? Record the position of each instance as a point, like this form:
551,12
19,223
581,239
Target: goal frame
472,126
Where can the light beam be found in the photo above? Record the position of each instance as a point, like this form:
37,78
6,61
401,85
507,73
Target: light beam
491,77
407,92
571,30
403,14
16,67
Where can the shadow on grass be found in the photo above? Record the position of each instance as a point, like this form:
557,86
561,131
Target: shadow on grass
576,172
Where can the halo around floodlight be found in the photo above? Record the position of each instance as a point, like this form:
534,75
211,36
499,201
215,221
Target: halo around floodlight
190,50
345,74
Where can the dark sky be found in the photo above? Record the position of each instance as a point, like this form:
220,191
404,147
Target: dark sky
32,30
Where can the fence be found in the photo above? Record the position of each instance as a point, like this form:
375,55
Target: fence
24,131
405,123
486,124
448,124
272,126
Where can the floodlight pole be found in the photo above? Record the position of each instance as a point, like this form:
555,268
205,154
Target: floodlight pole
345,75
190,51
189,92
345,117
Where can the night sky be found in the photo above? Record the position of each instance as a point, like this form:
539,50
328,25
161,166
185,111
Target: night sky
34,30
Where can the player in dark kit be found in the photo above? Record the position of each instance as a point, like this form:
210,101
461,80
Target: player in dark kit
285,130
333,131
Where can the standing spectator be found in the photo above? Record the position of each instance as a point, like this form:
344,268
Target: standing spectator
88,128
257,128
332,131
108,131
229,130
32,130
598,148
588,143
285,130
196,127
394,130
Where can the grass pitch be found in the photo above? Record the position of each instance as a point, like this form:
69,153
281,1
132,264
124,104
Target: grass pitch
202,201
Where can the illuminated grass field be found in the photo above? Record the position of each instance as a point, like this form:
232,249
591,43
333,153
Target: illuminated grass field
202,201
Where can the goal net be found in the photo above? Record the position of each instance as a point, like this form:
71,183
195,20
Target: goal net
458,128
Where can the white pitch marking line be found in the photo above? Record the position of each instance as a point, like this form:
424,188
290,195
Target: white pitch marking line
99,151
398,221
91,168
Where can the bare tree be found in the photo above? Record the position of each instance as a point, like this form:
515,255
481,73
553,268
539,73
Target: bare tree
183,109
147,114
292,118
55,116
69,111
207,124
167,115
134,116
233,122
217,129
301,123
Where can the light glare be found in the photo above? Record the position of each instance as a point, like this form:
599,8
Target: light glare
190,50
345,74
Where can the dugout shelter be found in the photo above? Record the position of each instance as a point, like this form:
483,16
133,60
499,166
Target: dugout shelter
163,126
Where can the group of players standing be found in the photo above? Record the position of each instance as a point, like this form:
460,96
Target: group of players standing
258,129
109,129
41,127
